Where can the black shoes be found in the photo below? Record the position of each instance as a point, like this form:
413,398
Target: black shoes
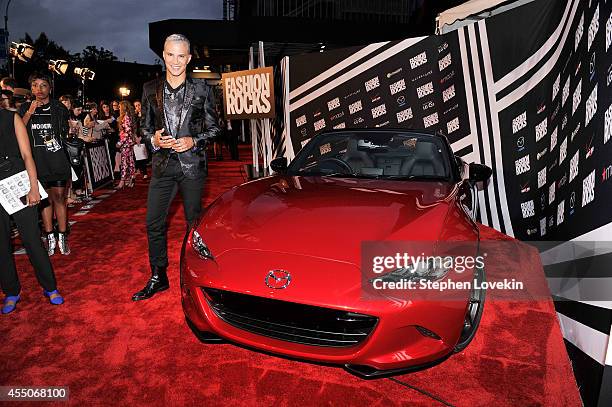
157,283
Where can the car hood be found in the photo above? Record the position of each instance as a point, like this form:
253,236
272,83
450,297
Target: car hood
323,217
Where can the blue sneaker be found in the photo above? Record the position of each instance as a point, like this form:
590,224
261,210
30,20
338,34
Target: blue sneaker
54,297
10,302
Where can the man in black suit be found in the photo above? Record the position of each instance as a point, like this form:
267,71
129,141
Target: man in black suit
178,117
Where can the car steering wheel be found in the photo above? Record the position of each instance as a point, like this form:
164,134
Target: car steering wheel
343,165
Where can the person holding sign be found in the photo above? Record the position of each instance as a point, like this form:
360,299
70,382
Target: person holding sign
47,123
178,118
15,157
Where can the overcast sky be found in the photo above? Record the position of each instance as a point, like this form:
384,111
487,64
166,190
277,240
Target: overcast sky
118,25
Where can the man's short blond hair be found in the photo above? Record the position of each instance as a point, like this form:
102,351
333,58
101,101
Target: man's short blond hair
179,38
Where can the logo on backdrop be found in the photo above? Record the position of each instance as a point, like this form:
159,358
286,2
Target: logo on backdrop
560,212
430,120
404,115
541,130
519,122
355,107
606,173
319,124
608,124
391,74
418,60
372,84
528,209
593,28
588,189
579,32
520,143
448,93
249,94
522,165
452,125
591,106
397,86
333,104
553,139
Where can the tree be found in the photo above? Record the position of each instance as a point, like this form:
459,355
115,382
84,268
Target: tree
93,56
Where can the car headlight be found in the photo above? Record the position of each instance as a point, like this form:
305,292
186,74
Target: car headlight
430,270
198,246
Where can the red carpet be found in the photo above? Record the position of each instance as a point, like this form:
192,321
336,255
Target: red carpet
109,350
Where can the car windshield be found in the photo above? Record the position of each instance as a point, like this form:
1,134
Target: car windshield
375,154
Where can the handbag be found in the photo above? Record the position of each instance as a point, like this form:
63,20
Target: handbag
74,148
140,152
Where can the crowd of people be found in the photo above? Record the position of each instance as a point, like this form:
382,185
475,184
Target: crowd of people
56,132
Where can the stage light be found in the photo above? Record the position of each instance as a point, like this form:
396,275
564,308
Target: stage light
58,66
85,73
22,51
205,69
124,92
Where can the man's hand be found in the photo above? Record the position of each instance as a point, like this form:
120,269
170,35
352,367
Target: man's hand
161,141
183,144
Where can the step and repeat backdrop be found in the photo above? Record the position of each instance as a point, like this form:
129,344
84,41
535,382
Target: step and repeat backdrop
531,100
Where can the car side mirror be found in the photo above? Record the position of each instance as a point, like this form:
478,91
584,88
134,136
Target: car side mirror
479,172
279,165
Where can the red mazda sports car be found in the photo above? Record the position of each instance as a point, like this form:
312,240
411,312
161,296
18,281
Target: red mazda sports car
276,264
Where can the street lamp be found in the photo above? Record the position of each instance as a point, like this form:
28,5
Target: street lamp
124,92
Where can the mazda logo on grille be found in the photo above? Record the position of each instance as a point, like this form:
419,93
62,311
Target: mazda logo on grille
278,279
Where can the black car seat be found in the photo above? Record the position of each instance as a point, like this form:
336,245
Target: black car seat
425,161
355,158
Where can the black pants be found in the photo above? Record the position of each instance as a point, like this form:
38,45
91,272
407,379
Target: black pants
142,166
162,191
78,184
27,223
232,144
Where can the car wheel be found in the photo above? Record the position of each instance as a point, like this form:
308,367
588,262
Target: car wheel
474,312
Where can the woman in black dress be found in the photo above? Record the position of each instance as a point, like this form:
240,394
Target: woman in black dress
16,156
47,124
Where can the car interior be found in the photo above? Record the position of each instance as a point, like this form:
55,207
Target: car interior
397,156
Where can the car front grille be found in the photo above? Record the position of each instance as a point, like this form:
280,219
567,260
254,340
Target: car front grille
289,321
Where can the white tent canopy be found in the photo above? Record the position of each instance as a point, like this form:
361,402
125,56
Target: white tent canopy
471,11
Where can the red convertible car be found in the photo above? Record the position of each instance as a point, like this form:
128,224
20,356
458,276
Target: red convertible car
275,264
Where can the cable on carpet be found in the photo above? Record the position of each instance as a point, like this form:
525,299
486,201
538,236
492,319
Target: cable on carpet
424,392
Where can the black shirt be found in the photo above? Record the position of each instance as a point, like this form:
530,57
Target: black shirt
9,147
47,149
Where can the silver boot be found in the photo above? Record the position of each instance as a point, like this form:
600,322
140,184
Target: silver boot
51,242
63,243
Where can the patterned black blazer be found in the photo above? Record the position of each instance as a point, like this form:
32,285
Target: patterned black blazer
198,120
